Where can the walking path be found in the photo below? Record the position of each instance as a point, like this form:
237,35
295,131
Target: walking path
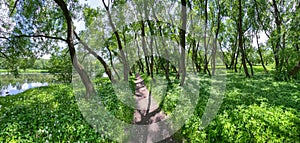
147,112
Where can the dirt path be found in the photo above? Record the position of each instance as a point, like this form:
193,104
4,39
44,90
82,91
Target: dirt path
148,112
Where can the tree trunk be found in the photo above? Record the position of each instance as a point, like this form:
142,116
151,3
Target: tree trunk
251,67
112,64
240,30
194,56
90,90
236,59
152,36
224,57
100,59
182,41
277,44
123,57
260,54
214,52
144,47
205,70
140,63
197,63
233,55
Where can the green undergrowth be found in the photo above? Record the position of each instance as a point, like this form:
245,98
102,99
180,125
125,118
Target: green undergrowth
44,114
258,109
253,110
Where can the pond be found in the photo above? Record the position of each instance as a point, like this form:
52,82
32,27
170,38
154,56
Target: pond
9,85
12,90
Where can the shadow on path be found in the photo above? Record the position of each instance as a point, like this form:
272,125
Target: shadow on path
148,117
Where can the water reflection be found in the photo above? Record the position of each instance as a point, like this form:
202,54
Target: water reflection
13,89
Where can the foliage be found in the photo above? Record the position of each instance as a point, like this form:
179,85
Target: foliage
32,28
44,114
60,66
253,110
40,64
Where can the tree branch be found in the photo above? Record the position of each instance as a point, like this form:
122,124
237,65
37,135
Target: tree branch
13,9
101,60
105,6
41,36
4,55
2,37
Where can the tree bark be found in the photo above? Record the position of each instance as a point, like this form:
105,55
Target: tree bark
100,59
240,30
144,47
205,70
277,44
224,57
90,90
182,41
140,63
123,57
236,59
214,51
233,54
260,54
112,64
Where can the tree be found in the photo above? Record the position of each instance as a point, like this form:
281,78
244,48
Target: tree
240,31
182,40
61,66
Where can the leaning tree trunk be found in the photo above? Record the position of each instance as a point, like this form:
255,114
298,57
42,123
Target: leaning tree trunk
198,63
90,90
123,57
100,59
251,67
224,57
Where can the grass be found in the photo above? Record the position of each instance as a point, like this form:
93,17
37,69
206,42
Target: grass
258,109
26,71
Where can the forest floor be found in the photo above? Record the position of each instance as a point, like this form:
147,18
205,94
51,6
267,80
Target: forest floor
258,109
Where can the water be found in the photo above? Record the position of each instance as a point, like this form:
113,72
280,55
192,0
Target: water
18,88
12,86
